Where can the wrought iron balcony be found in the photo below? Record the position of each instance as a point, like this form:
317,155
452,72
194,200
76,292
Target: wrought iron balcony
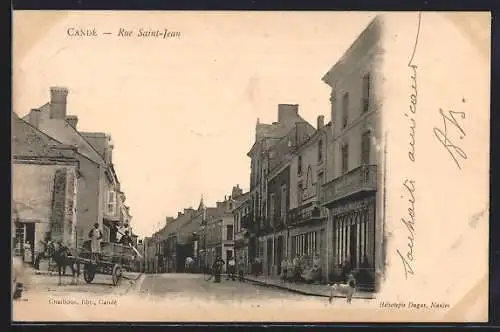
360,179
307,212
247,221
241,235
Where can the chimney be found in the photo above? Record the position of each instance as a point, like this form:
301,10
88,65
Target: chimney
287,111
109,150
34,118
72,120
58,100
237,191
321,121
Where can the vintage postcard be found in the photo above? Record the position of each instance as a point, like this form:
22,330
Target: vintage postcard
250,166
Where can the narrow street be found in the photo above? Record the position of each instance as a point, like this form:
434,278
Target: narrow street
196,286
171,297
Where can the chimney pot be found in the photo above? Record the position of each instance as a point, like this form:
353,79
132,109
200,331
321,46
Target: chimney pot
58,101
321,121
72,120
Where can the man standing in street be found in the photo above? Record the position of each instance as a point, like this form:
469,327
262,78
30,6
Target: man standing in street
231,266
95,236
217,268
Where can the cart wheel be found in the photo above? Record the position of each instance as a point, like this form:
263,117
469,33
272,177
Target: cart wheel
89,273
117,274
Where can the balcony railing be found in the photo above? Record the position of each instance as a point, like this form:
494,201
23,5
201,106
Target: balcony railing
241,235
304,213
247,221
363,178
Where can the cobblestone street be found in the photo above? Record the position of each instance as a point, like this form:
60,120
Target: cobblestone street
169,297
196,286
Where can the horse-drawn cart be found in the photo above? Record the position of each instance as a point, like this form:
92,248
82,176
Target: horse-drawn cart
113,260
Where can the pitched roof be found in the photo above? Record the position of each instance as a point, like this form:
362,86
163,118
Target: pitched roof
28,141
63,132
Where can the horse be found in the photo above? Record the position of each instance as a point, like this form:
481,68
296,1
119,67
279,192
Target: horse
63,258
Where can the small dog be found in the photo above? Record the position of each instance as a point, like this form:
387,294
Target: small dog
345,289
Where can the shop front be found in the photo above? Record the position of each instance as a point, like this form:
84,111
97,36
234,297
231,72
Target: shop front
241,243
353,216
307,238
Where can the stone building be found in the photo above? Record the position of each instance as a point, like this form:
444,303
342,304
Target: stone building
220,232
241,215
44,187
98,184
352,194
307,221
273,232
267,136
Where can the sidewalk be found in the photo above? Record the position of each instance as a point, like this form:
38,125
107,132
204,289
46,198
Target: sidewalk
305,289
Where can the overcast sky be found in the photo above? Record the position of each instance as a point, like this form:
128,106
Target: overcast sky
182,112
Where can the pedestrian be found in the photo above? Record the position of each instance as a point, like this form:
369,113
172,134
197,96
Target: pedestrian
231,265
241,270
42,251
28,257
95,236
283,268
351,281
217,268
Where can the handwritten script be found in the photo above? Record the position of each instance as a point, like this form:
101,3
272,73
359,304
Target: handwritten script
443,135
413,97
407,257
409,221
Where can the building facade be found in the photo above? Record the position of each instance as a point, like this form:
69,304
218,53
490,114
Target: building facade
241,214
97,182
220,232
351,192
44,188
268,151
307,222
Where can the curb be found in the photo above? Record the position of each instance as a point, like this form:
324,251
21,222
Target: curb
298,291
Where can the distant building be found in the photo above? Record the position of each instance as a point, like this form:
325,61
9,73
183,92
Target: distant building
242,216
351,194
